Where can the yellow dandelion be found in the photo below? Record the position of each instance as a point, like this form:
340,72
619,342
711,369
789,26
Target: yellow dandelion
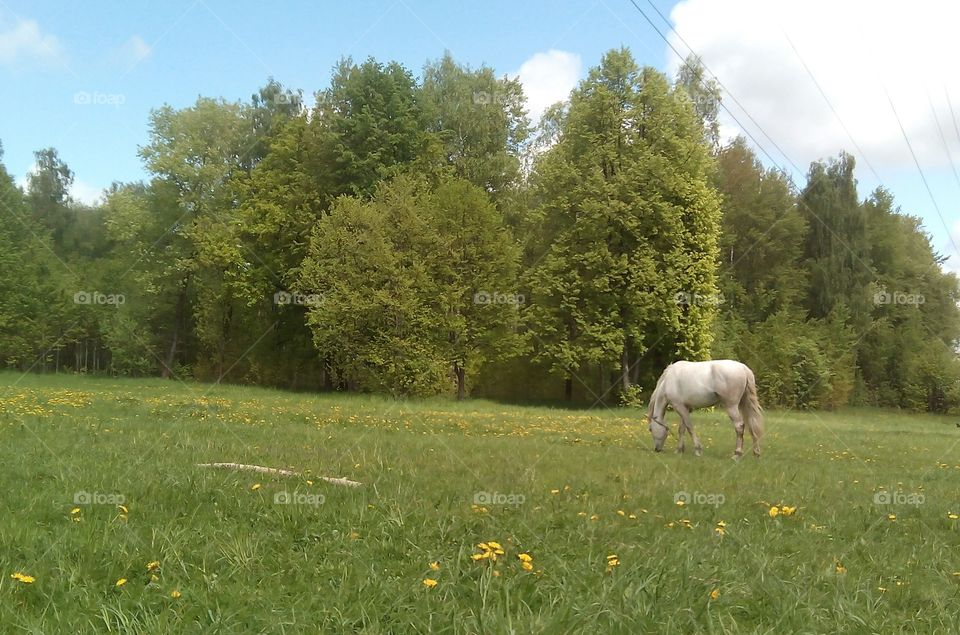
23,577
434,566
787,511
176,595
494,545
891,516
429,583
153,565
74,511
952,516
527,566
774,512
255,487
715,594
478,556
681,503
525,557
632,517
594,517
554,491
620,512
841,569
123,509
120,582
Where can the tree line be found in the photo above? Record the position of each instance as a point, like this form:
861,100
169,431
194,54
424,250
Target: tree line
420,236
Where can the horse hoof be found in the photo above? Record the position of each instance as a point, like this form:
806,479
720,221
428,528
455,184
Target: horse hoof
698,452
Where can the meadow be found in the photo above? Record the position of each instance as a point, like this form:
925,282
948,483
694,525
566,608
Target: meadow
473,517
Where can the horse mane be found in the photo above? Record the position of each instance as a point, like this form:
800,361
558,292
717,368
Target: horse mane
656,392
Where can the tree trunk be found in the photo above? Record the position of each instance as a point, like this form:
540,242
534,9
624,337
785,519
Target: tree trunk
177,320
461,382
624,370
568,388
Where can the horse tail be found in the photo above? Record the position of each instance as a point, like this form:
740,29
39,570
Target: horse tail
750,408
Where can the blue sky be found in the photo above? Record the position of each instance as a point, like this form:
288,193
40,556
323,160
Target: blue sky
83,77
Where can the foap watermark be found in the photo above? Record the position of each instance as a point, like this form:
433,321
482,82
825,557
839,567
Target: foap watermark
485,98
898,297
883,497
683,498
96,98
496,498
300,299
485,297
98,498
298,498
698,299
98,298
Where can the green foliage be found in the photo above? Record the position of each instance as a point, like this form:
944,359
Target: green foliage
396,283
439,245
625,199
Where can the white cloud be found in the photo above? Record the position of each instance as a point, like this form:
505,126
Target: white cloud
134,50
548,78
24,44
80,191
858,51
84,193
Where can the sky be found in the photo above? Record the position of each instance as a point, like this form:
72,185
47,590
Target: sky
804,80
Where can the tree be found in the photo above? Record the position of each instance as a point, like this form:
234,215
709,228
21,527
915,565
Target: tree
408,286
48,193
631,222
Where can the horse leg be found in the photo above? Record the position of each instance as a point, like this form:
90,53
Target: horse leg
680,428
688,424
737,419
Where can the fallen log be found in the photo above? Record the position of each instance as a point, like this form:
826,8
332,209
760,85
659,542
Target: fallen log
345,482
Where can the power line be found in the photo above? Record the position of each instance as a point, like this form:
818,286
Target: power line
923,177
719,83
823,94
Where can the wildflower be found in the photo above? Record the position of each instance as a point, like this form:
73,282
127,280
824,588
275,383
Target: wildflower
75,511
255,487
554,491
527,566
882,589
632,516
612,561
715,594
620,512
175,594
120,582
952,516
787,511
23,577
774,511
123,509
154,578
429,583
525,557
594,517
434,566
681,503
841,569
891,516
153,565
496,573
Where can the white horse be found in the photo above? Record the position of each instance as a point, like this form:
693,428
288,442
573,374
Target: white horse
690,385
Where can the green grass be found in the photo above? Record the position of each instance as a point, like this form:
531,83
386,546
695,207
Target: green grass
356,562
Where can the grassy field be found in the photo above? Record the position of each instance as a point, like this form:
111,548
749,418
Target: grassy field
101,486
